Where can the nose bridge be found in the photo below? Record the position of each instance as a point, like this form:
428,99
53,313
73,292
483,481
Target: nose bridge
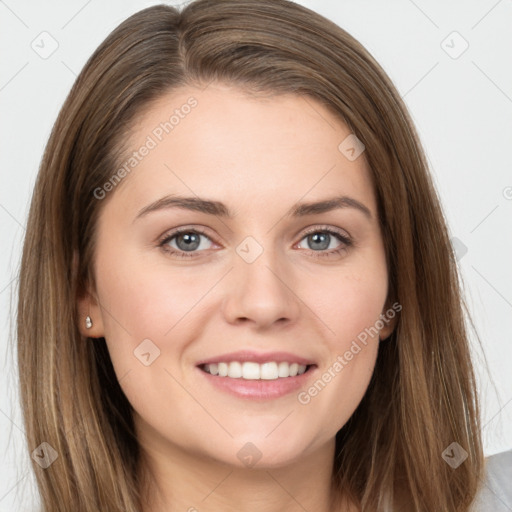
260,290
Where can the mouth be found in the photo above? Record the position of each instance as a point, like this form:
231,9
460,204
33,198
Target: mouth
250,370
257,377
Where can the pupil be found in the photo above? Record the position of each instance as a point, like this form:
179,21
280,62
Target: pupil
321,238
190,239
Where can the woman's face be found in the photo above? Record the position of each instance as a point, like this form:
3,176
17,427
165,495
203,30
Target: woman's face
272,280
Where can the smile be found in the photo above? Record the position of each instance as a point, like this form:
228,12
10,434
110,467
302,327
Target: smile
250,370
258,381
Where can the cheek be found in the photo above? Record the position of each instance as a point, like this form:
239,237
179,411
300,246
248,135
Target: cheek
140,303
350,312
350,302
147,301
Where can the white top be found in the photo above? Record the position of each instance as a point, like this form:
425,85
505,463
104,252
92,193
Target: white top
496,493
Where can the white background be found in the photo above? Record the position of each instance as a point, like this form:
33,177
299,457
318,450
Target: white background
462,108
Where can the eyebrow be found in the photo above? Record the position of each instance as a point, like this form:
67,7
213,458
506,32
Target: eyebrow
219,209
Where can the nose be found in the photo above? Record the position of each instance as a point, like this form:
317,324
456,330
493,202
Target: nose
261,292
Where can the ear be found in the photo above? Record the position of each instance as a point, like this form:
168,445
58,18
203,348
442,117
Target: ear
88,306
390,319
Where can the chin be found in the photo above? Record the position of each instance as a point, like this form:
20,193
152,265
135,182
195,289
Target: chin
261,452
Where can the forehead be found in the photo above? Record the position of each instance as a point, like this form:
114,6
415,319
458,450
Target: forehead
223,143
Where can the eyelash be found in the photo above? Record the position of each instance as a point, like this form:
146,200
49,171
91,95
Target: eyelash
322,254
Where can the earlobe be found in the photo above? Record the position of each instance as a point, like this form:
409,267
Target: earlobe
90,321
389,320
386,332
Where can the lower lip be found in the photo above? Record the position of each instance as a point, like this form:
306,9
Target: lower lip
259,388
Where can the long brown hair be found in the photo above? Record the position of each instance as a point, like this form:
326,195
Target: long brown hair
422,396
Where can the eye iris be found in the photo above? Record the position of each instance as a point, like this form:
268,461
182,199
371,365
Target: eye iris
321,238
192,241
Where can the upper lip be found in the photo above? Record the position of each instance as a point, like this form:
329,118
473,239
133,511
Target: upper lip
257,357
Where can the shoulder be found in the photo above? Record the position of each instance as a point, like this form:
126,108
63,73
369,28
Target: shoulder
496,493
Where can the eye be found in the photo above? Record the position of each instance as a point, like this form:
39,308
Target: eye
184,242
187,241
320,239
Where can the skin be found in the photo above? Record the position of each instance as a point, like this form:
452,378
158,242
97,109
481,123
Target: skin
260,157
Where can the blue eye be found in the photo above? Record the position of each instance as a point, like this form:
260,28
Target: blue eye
188,240
321,236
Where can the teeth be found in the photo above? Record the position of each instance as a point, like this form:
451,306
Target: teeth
235,370
269,371
223,369
255,371
250,371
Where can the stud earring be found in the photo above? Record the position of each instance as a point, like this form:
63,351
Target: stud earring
88,322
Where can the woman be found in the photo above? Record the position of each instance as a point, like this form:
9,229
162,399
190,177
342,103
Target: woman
186,344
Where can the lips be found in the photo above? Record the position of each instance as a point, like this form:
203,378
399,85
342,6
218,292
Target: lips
259,389
252,375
